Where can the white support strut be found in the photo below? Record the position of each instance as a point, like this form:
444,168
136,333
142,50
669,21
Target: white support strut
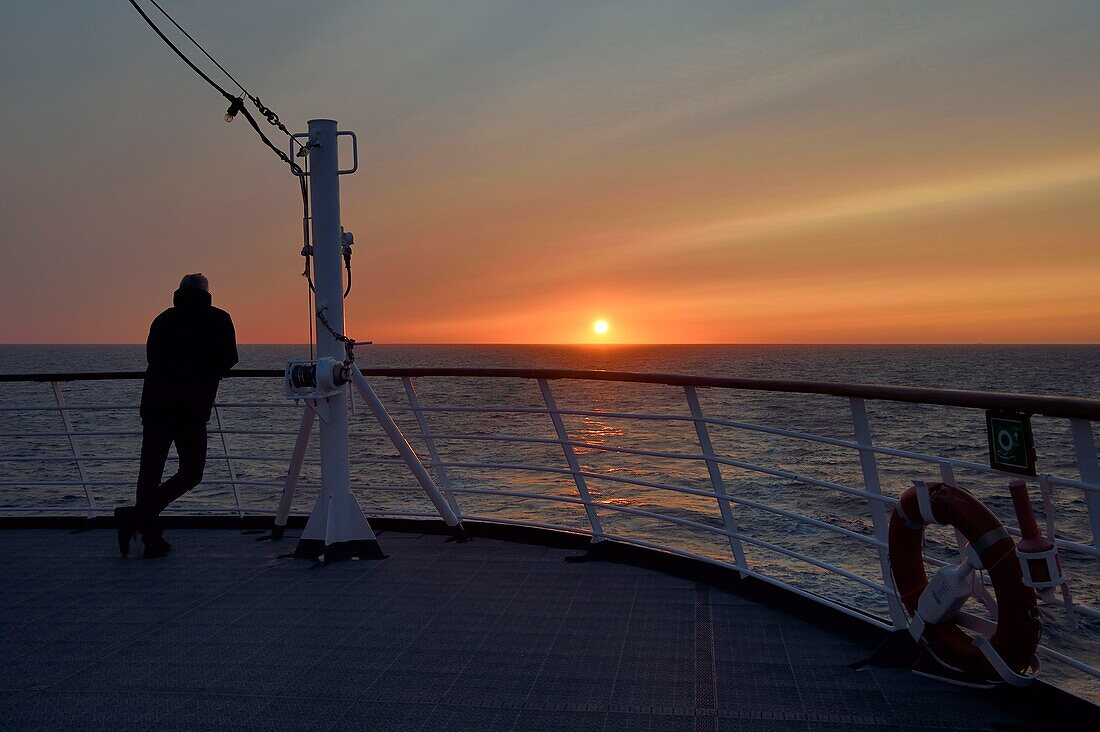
401,443
305,429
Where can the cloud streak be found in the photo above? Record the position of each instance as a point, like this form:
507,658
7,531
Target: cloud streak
725,171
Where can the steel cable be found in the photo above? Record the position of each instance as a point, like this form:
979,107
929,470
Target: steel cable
237,107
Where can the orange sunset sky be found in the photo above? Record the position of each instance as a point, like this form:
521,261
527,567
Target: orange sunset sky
850,172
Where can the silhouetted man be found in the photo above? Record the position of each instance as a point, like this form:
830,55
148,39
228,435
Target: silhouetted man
191,347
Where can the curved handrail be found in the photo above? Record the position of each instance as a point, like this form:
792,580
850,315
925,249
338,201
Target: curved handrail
1050,406
121,375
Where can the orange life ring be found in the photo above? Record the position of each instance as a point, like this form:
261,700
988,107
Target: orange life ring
1018,626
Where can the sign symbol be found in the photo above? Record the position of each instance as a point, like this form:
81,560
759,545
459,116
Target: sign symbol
1011,445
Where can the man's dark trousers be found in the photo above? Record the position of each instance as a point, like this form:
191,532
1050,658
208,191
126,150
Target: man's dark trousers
158,434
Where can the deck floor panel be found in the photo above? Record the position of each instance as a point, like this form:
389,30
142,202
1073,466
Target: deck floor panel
488,635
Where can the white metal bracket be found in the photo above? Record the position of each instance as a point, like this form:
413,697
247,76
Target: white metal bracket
1009,676
321,407
313,143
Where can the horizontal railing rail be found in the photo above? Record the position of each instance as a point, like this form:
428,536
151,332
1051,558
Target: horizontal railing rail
590,482
1050,406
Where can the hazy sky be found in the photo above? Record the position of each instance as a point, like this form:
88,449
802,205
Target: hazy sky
689,171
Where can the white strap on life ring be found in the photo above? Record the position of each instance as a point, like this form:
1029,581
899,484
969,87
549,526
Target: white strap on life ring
1009,676
914,525
917,624
924,500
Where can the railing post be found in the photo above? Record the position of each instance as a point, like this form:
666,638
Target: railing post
72,446
571,459
433,453
716,480
1084,444
229,462
869,465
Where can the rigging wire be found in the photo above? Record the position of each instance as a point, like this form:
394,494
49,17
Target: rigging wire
264,110
199,46
235,107
234,101
307,252
180,53
310,319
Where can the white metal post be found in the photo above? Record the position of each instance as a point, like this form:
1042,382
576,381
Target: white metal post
72,445
305,430
229,461
716,480
571,459
869,466
1084,444
429,441
337,527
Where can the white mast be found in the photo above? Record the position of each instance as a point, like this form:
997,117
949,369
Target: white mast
337,527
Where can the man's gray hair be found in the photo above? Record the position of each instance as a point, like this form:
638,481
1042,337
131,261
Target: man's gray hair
195,281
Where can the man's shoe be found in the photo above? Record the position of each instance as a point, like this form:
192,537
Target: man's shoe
152,551
126,523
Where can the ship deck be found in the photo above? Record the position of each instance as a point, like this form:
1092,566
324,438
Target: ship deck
490,634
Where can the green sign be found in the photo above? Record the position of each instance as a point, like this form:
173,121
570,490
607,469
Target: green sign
1011,445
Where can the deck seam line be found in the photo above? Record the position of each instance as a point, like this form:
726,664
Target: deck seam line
500,617
790,664
622,650
381,674
372,567
705,674
550,647
164,622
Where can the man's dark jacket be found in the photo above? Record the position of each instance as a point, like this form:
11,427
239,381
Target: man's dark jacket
191,347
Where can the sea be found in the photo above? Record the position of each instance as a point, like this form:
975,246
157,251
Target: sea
258,424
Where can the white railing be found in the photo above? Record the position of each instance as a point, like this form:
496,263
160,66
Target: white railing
461,472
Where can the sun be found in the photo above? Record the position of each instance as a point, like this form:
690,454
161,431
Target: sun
601,327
